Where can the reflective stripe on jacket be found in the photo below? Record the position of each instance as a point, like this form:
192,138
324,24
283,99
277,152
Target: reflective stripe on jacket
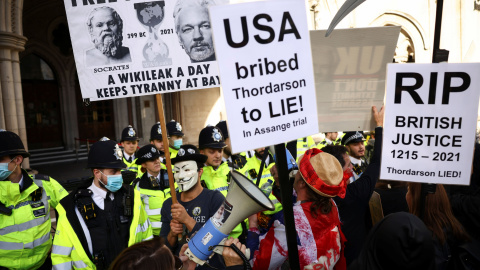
25,238
68,251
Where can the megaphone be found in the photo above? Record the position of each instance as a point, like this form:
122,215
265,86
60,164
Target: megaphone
244,198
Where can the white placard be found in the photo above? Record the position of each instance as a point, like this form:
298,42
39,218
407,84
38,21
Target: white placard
263,52
430,121
131,48
350,70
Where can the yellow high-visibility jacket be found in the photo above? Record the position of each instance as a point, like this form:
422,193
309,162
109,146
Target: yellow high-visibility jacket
25,238
253,163
68,251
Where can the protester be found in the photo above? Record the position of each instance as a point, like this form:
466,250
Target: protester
447,232
392,196
465,200
354,208
147,255
400,241
320,239
195,204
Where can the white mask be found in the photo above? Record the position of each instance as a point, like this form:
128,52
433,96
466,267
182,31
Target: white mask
186,174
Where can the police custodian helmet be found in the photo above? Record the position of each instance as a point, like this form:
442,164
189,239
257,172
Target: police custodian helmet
129,134
211,137
105,154
147,153
174,129
222,125
156,132
11,144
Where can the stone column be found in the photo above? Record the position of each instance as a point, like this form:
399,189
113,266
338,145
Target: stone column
11,43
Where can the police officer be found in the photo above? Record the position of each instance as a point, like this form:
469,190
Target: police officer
303,144
175,137
252,169
216,172
101,218
156,137
153,185
330,138
235,162
129,142
25,203
354,142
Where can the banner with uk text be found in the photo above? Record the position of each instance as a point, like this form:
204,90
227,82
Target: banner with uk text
132,48
430,122
350,69
263,53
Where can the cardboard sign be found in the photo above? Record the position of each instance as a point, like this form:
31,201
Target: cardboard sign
430,122
350,70
263,51
132,48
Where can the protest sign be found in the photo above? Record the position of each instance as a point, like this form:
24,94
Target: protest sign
430,121
350,70
263,53
132,48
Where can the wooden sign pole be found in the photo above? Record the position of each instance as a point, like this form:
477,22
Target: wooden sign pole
163,126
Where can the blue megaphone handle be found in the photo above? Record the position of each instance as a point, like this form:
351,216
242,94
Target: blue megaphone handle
291,163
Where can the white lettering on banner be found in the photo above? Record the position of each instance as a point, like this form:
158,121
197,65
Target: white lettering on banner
429,127
264,57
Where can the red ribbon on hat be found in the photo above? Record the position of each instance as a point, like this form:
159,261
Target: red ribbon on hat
309,174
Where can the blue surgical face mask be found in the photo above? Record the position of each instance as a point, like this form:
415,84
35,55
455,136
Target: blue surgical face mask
114,182
177,143
4,172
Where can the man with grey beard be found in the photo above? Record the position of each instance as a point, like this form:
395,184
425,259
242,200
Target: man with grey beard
105,27
192,25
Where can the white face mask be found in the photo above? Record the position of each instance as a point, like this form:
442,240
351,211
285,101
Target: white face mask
186,174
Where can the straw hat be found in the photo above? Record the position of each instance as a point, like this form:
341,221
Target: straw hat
323,173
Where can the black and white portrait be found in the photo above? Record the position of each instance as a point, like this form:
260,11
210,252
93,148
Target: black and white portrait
105,28
192,25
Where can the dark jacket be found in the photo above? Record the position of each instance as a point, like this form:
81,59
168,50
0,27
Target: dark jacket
353,209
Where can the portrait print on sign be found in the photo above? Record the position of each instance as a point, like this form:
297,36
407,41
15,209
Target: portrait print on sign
192,25
105,28
134,48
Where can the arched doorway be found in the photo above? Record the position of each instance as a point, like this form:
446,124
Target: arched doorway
41,103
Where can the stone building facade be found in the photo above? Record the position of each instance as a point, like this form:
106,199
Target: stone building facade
40,96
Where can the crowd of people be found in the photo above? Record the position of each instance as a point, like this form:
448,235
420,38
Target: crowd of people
116,221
